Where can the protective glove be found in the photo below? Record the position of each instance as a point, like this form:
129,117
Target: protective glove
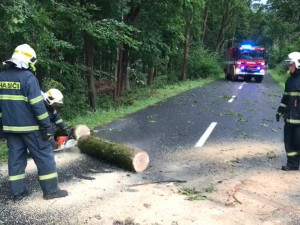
68,132
53,143
280,110
277,117
47,133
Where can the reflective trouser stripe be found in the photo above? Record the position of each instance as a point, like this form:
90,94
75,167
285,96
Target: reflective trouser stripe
20,129
16,177
292,93
293,121
48,176
59,121
292,153
283,105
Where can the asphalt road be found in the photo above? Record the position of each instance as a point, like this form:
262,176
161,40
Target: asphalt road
176,124
179,122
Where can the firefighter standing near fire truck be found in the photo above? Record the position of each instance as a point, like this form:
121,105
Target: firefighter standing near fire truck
289,109
25,124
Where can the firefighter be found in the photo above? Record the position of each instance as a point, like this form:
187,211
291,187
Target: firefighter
26,125
53,99
289,109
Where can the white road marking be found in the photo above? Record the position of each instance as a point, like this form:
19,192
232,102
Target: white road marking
232,98
206,134
240,88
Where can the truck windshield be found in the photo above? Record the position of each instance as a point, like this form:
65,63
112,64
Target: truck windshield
250,54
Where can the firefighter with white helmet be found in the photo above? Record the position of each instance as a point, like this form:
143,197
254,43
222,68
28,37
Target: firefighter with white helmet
53,99
26,125
289,109
23,57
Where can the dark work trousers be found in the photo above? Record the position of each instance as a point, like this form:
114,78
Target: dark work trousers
292,144
42,155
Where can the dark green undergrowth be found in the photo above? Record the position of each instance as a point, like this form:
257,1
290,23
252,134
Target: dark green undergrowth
280,74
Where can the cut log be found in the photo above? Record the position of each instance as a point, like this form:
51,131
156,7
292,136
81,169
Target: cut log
81,131
122,156
77,131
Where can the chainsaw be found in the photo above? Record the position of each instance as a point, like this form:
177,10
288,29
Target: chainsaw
68,141
65,142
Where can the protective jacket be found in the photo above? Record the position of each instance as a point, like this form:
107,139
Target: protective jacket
55,117
290,102
21,103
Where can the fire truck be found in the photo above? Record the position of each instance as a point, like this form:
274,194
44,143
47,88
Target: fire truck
245,61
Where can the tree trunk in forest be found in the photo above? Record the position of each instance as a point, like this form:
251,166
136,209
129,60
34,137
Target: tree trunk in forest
204,23
117,72
88,53
122,82
122,156
186,49
89,62
150,77
224,24
122,71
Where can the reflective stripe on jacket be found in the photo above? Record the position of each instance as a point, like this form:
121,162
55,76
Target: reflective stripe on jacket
55,118
21,103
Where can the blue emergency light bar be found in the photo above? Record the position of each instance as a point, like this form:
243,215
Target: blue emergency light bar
246,46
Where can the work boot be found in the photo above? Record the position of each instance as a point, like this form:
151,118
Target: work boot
20,196
289,168
58,194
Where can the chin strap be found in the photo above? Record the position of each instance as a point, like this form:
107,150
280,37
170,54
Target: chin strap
32,67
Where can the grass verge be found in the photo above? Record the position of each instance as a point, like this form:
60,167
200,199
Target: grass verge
279,74
137,100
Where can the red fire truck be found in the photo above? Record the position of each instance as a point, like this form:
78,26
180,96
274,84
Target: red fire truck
245,61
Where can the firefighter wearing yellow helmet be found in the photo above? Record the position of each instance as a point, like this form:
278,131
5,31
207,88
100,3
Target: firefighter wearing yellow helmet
289,109
26,124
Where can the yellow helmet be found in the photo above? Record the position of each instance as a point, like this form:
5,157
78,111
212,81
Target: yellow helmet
22,57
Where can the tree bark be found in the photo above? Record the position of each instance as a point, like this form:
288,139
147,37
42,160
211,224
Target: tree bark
204,23
122,78
186,49
122,156
150,77
117,72
224,25
88,52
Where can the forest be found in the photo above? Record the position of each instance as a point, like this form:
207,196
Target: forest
97,51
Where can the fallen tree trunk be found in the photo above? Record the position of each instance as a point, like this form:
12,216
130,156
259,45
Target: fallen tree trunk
122,156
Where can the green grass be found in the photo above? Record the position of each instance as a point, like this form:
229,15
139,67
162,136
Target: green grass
280,74
133,101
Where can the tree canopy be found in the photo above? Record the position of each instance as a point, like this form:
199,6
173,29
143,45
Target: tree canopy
84,44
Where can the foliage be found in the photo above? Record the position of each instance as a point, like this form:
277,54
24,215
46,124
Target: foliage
56,28
280,74
49,83
203,64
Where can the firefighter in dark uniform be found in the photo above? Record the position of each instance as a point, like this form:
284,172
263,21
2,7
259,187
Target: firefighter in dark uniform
290,110
53,100
26,125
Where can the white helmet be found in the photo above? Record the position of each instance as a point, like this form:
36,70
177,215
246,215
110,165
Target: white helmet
295,58
53,96
22,57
